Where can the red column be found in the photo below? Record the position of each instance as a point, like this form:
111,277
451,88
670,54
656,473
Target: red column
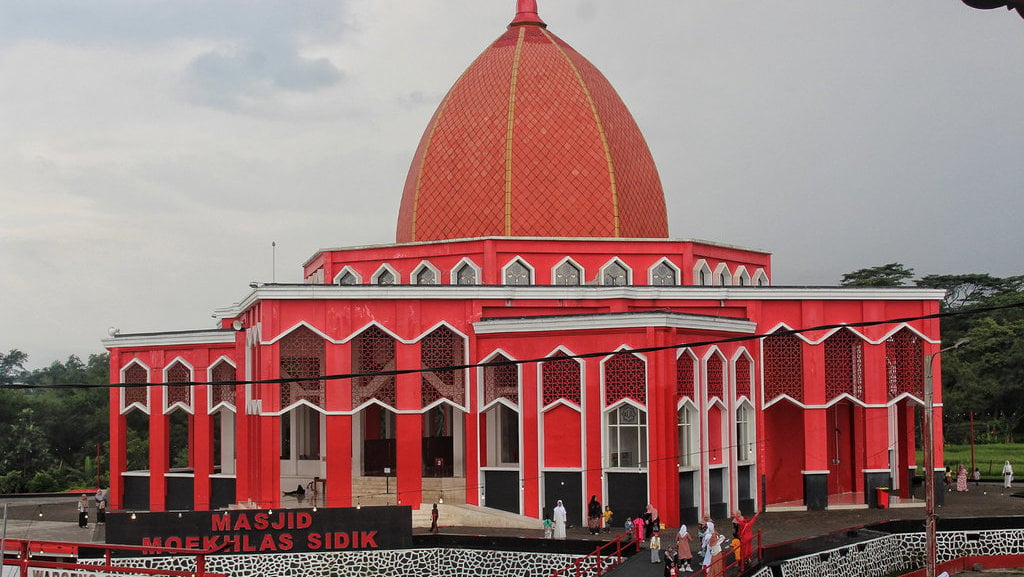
338,397
409,428
816,437
593,406
202,458
159,460
118,436
529,461
471,428
662,421
876,415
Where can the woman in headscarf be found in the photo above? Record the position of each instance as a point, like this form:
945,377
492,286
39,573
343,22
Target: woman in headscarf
560,518
683,549
961,479
1007,475
594,515
654,523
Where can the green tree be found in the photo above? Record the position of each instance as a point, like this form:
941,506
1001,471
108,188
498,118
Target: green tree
12,366
888,275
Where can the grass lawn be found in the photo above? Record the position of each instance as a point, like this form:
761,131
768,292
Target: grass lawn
988,458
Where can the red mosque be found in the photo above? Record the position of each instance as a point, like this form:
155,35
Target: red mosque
594,355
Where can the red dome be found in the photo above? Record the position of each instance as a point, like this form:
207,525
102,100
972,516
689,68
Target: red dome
532,140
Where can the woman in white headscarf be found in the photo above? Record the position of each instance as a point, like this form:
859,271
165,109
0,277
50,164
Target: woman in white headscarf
1007,475
685,552
560,518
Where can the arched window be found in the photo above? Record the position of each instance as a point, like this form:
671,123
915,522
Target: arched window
567,274
302,358
348,278
426,275
385,277
442,348
685,376
663,275
373,351
844,365
560,379
615,274
465,274
517,273
220,373
743,372
136,376
179,393
903,363
744,433
501,380
716,376
625,376
689,433
701,273
783,367
627,436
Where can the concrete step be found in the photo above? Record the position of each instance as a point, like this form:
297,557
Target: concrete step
463,515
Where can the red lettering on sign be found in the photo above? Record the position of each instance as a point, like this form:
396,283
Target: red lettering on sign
242,522
268,543
260,521
303,520
282,520
286,541
173,543
367,539
313,541
341,541
220,523
191,542
246,545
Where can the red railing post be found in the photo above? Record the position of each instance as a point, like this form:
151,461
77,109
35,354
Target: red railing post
23,558
200,565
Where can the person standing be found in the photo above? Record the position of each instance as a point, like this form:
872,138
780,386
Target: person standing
83,511
961,479
594,515
560,519
683,548
655,547
101,507
1007,475
433,519
639,536
607,518
744,529
654,523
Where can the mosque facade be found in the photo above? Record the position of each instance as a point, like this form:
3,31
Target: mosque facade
533,334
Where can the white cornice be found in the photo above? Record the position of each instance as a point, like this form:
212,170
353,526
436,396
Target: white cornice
558,292
614,321
210,337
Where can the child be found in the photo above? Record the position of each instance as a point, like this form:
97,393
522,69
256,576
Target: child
607,518
549,527
736,549
629,527
655,548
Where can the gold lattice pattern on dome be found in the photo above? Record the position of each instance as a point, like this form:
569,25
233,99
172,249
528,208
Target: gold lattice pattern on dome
625,376
501,381
222,371
684,376
560,379
180,393
783,367
136,375
743,370
302,355
844,365
904,364
373,351
442,348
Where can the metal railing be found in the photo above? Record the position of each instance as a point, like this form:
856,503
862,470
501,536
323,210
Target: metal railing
35,558
600,560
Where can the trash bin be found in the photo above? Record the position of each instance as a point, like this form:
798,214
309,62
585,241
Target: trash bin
882,496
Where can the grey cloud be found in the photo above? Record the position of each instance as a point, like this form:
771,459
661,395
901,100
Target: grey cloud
242,79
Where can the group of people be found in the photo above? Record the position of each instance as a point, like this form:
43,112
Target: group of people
714,547
101,509
961,477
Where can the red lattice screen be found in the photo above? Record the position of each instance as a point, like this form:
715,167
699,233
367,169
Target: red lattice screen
302,358
625,375
442,348
136,375
783,367
501,381
844,365
904,363
373,351
179,373
716,377
743,370
684,376
560,379
222,371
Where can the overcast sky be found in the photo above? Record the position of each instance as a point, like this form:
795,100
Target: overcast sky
152,151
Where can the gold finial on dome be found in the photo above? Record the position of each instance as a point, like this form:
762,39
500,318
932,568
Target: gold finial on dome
526,13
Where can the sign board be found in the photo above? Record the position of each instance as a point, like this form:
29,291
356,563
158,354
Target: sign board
266,531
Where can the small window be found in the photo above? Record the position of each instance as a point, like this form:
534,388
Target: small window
615,274
567,274
688,430
466,275
348,278
627,437
386,277
426,276
663,275
517,274
744,434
